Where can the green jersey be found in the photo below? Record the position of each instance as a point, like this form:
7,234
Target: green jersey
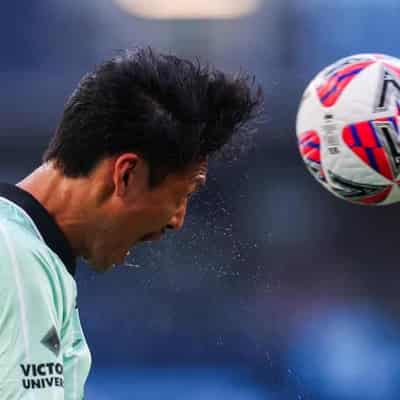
43,353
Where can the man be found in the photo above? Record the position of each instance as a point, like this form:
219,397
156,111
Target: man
131,148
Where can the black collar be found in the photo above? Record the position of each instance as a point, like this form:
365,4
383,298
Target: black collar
50,231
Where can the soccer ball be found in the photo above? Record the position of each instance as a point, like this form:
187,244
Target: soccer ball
348,128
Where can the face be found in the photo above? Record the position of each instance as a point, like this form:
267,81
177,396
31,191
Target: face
133,212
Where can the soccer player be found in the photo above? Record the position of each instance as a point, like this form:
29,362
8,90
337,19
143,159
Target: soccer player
131,147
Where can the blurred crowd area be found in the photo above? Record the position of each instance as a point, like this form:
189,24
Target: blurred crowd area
274,289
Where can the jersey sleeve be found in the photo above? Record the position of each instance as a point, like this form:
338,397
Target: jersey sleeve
77,359
31,322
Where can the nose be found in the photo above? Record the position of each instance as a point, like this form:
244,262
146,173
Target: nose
176,222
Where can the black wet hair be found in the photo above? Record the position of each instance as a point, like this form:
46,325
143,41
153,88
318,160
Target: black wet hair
169,110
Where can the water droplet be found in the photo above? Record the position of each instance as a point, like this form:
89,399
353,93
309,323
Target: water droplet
132,265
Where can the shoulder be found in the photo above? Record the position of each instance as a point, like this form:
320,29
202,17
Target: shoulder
28,267
19,244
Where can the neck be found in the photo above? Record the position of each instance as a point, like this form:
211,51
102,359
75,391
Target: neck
66,199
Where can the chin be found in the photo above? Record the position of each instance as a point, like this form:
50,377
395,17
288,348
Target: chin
103,268
100,265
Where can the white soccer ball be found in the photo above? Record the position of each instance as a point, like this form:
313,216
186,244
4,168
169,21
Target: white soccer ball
348,128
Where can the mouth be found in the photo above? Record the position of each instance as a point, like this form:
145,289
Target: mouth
152,236
121,258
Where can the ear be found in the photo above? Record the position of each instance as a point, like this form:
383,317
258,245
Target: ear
125,168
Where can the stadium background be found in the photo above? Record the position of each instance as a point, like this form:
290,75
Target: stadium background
274,289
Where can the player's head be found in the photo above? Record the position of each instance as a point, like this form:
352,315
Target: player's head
140,130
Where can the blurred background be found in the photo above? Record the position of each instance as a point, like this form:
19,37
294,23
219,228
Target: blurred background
274,289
